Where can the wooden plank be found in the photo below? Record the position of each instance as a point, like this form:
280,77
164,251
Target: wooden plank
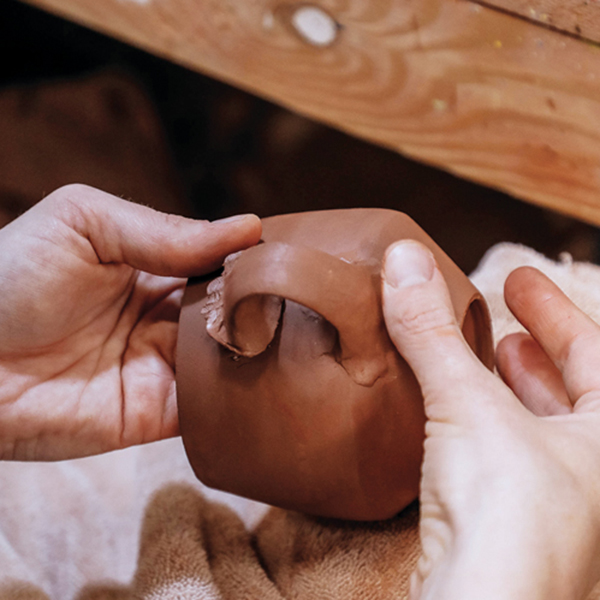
473,90
577,17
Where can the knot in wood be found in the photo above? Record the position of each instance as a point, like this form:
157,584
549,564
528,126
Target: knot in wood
314,25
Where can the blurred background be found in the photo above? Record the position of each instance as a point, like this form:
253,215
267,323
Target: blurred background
77,106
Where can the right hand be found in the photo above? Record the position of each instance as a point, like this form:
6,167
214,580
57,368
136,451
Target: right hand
510,489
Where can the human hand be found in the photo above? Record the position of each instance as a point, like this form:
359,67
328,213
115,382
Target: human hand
90,291
510,488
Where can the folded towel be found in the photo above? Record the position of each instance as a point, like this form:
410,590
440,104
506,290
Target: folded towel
137,524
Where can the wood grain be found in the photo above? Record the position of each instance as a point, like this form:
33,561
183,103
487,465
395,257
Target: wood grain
473,90
577,17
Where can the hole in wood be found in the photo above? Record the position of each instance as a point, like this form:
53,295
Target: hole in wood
314,25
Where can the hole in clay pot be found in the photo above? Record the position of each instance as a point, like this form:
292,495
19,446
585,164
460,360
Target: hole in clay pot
257,318
308,334
477,331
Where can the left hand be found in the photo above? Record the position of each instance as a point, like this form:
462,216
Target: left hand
510,483
90,291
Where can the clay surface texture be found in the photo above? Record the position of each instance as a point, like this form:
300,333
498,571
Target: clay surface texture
289,389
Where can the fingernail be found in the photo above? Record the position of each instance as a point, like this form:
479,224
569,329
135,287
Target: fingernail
408,263
232,219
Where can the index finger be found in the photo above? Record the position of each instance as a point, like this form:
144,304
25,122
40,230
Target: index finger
569,337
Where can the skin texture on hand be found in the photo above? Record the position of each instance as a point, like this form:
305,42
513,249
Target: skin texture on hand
510,489
90,291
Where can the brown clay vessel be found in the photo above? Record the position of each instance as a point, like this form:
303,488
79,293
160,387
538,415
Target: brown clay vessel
289,389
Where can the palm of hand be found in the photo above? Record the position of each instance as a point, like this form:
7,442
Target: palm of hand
92,346
88,342
511,465
498,488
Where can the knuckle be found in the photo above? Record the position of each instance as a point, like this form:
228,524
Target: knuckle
73,193
69,201
170,224
421,321
171,229
578,346
171,221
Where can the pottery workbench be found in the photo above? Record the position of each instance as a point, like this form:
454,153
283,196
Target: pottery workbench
506,93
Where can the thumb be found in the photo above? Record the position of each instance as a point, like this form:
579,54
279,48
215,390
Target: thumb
120,231
421,322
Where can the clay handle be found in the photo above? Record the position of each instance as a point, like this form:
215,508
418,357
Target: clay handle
344,294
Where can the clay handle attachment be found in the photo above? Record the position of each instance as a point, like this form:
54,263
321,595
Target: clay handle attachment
344,294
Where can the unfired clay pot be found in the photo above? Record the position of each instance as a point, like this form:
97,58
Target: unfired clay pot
289,389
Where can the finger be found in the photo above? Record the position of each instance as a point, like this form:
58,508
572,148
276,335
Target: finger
569,337
532,376
421,323
162,244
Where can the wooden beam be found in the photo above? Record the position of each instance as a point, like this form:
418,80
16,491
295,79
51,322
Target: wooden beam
580,18
470,89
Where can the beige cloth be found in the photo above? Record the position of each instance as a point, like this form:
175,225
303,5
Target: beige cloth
136,523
